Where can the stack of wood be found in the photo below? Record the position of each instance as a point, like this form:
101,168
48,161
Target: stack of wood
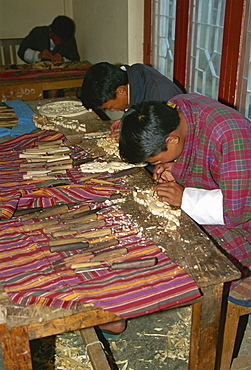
8,117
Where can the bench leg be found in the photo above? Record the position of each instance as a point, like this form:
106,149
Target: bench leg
15,348
94,349
233,314
205,329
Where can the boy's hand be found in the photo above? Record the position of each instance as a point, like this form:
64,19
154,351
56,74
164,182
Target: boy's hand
170,192
162,172
45,54
57,58
115,127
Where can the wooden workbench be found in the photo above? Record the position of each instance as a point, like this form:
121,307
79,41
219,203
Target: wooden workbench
189,247
28,84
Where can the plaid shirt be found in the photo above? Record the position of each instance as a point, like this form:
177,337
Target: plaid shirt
217,155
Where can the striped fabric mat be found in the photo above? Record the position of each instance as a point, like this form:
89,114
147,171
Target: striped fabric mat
26,263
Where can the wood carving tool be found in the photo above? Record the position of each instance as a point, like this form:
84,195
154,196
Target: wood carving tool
77,215
64,262
38,225
69,246
95,234
52,183
75,212
94,257
101,181
62,245
97,134
91,217
93,176
102,199
60,167
48,143
58,162
31,164
63,242
128,171
129,264
102,245
20,212
77,228
78,162
47,213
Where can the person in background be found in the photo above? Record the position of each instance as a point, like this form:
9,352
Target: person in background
55,43
202,150
108,86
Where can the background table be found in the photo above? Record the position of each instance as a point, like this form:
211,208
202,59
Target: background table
29,84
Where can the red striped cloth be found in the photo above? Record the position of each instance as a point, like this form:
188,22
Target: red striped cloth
26,263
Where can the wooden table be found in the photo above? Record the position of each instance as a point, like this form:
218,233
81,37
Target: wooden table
29,84
189,247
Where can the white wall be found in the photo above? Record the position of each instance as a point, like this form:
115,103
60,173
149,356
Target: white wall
110,30
106,30
18,17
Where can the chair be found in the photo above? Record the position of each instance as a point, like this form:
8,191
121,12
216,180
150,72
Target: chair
233,315
8,51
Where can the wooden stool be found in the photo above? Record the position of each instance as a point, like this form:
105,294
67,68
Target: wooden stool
234,312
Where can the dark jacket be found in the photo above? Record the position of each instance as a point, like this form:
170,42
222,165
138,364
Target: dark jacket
38,39
146,83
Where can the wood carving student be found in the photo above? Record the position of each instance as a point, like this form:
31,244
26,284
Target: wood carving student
108,86
55,43
202,149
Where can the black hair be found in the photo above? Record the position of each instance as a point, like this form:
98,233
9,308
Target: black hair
144,129
63,27
100,84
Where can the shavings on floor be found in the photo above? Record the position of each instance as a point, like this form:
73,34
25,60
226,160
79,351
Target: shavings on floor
70,353
178,337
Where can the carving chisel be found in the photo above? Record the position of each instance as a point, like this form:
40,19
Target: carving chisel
131,264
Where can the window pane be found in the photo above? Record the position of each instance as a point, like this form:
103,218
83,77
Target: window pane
163,36
247,73
206,44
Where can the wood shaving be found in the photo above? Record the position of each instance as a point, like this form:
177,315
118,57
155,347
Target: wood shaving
70,354
96,167
109,145
149,199
57,123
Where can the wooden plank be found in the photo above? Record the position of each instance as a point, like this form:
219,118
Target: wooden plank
24,91
67,83
74,322
205,327
95,349
15,348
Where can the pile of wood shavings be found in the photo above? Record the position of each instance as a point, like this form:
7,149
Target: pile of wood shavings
58,123
149,199
109,145
178,337
96,167
70,354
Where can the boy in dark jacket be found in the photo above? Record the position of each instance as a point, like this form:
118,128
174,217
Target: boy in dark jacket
55,43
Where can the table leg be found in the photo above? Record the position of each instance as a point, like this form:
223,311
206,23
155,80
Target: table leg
205,327
15,348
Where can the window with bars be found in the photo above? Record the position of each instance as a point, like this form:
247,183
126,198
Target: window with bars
205,46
